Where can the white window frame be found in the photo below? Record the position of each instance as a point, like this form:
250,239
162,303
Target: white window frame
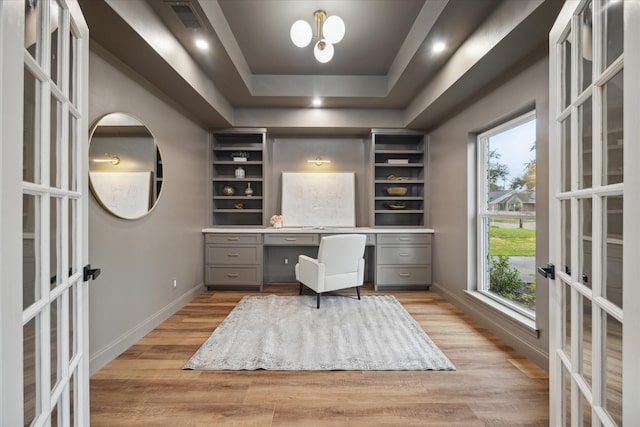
484,214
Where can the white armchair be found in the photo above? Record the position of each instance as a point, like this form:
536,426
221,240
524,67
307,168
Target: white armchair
340,265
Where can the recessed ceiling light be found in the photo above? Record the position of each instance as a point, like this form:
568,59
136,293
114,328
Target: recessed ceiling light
202,44
439,47
316,102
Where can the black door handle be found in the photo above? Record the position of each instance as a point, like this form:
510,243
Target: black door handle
90,273
548,272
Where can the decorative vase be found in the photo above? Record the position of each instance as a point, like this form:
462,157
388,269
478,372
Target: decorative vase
248,191
228,190
277,224
239,173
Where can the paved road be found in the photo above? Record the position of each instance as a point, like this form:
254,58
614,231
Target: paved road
526,265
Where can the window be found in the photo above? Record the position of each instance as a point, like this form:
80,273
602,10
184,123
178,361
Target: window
507,214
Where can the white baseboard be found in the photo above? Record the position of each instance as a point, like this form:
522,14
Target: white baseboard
105,355
509,331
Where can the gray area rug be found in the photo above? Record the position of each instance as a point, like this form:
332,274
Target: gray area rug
289,333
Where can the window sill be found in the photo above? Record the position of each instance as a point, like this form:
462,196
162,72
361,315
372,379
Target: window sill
519,320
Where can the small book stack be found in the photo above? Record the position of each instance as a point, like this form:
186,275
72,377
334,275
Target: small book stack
398,161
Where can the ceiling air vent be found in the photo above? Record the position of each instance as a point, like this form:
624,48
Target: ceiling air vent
186,15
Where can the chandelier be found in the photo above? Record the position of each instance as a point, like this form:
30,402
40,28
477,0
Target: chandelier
329,31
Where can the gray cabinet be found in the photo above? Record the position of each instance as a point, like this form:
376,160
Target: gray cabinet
403,261
233,261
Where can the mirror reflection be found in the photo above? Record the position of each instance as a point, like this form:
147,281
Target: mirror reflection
125,166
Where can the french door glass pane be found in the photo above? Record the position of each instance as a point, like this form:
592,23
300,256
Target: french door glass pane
73,267
612,249
566,236
613,38
566,72
566,319
30,137
73,176
586,207
54,335
30,250
55,242
31,26
56,142
586,413
566,396
613,136
72,321
587,355
73,43
566,155
586,46
55,22
612,385
585,114
30,370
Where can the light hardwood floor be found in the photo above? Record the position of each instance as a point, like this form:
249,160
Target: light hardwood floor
492,386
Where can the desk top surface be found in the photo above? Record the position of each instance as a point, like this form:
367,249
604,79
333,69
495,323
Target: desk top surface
318,230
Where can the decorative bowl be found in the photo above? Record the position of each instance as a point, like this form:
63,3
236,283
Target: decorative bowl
397,191
397,205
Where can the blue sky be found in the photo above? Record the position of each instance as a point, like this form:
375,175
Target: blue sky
514,146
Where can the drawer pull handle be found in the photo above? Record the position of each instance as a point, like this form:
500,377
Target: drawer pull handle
404,274
232,274
233,239
403,254
290,239
232,254
404,239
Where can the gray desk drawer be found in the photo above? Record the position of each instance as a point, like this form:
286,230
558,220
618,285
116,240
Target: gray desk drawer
405,239
403,255
291,239
233,255
371,238
233,275
240,239
403,275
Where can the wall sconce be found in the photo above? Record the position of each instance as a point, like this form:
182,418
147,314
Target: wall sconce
318,161
114,160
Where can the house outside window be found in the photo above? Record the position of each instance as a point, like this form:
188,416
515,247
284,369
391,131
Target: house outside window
507,214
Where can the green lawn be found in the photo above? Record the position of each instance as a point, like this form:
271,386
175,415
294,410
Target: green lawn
512,241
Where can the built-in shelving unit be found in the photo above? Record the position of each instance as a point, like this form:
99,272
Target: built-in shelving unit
235,207
398,161
159,175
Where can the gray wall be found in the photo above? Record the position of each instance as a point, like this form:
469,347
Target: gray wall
139,259
290,154
452,148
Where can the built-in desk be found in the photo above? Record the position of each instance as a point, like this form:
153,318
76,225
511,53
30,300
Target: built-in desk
241,258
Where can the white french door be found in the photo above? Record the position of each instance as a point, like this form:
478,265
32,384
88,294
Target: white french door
594,202
44,329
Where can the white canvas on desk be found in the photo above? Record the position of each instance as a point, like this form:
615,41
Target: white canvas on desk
322,199
126,194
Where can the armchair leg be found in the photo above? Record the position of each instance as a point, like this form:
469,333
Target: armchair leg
318,300
358,291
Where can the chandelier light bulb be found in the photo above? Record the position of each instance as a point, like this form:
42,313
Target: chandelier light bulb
333,29
301,33
323,51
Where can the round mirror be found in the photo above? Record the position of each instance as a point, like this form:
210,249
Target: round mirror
125,166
